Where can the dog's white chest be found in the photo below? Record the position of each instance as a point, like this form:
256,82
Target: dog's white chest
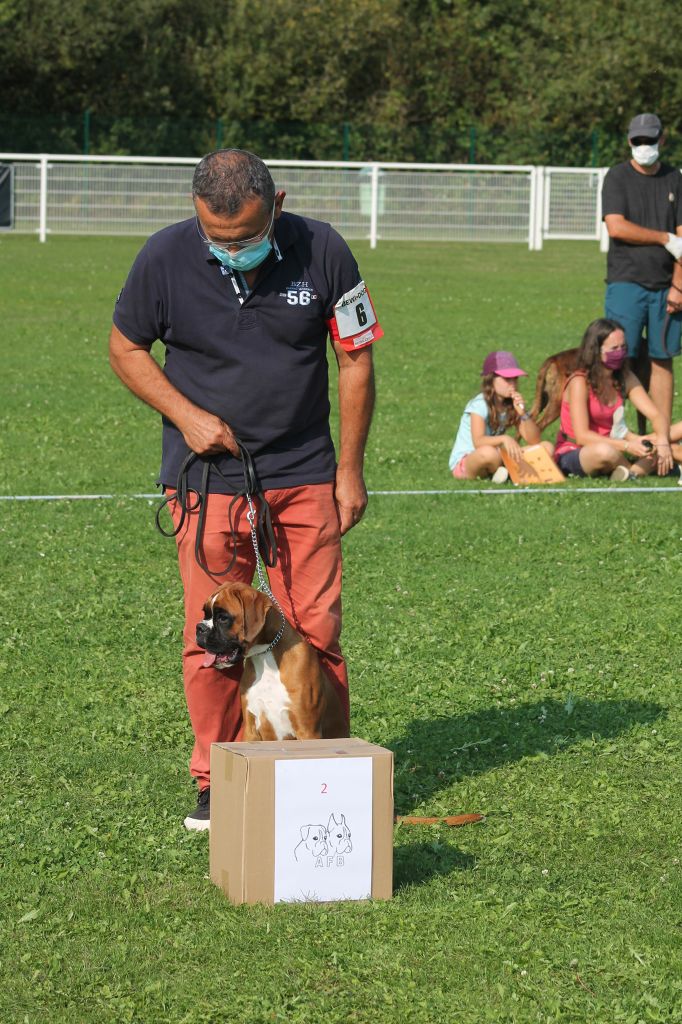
267,696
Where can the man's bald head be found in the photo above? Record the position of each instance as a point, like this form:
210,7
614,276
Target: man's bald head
225,179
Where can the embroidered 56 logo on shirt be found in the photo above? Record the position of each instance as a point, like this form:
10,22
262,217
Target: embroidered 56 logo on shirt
354,323
300,293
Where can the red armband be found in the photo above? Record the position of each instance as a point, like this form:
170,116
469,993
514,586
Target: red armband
354,323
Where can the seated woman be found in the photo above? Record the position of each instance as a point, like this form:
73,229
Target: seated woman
592,397
486,418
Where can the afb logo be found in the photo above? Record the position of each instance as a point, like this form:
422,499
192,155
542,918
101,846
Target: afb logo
325,847
299,293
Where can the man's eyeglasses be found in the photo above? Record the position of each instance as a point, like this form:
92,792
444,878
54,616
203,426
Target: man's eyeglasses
642,141
244,243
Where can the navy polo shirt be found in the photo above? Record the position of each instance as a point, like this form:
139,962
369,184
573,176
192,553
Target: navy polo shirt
257,359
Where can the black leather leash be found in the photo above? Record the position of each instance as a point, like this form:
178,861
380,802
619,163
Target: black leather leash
267,546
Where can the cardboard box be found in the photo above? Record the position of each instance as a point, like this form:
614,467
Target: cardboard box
302,821
536,466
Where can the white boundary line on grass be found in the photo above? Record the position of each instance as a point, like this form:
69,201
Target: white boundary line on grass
475,491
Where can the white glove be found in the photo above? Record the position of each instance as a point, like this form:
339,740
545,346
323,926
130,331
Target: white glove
674,246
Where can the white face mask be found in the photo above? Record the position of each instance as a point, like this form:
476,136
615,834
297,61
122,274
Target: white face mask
645,156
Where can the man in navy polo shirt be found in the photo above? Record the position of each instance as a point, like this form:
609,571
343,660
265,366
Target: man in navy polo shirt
642,209
244,297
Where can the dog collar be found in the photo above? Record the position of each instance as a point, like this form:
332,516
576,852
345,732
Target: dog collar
266,648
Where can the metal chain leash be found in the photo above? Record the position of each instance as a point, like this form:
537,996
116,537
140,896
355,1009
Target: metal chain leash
263,582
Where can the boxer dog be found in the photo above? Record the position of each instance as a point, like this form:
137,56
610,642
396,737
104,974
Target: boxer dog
556,370
284,692
313,842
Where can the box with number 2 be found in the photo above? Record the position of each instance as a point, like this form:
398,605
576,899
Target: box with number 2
302,821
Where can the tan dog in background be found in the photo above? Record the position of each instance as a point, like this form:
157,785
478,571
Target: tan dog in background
285,694
556,370
549,386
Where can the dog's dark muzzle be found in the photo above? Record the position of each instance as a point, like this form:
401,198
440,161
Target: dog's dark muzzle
228,651
203,633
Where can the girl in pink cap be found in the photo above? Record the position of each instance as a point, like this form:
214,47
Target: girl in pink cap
486,419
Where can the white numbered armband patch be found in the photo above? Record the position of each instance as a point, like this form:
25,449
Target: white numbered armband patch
354,313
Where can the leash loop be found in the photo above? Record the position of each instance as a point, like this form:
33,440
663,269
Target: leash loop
190,499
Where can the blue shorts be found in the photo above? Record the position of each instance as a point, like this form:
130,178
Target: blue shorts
569,463
636,308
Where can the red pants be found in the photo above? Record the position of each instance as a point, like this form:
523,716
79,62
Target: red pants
306,582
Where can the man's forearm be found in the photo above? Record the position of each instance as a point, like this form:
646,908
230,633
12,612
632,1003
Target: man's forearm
627,231
142,375
356,404
204,433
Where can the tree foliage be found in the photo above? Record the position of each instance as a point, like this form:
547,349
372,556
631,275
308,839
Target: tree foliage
513,80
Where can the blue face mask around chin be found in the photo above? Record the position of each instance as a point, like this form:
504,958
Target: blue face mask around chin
245,259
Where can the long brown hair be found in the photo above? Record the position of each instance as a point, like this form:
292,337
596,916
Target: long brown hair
589,356
493,413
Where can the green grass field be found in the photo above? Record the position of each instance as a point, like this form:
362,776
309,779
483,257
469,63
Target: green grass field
517,652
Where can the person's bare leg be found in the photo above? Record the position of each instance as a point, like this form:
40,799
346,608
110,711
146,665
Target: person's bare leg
601,458
661,385
643,467
483,462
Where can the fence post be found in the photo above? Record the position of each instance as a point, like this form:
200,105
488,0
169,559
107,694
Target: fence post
535,210
86,132
472,144
346,141
374,209
602,233
42,221
547,197
539,210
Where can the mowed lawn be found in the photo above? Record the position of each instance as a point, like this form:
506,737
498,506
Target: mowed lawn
518,652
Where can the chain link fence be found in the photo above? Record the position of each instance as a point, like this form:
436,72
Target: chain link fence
112,195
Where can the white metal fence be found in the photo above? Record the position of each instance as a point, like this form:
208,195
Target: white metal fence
101,195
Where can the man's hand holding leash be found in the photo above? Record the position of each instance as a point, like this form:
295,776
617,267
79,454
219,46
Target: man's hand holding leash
674,300
207,434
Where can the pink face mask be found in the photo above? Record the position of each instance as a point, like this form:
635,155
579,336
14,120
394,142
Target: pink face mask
615,358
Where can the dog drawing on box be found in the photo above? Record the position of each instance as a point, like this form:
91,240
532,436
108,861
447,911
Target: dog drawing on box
313,843
285,695
338,835
556,370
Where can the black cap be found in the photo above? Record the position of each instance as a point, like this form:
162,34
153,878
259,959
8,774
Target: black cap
645,126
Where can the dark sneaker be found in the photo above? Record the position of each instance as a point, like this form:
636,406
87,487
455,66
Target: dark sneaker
200,819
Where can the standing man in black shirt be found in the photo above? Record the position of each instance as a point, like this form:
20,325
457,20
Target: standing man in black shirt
642,209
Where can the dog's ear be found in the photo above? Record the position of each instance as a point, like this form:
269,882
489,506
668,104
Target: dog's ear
332,823
305,829
255,607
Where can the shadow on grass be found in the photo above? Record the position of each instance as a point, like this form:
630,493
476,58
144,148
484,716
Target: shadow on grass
434,753
416,863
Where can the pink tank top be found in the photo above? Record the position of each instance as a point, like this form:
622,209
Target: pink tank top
600,418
